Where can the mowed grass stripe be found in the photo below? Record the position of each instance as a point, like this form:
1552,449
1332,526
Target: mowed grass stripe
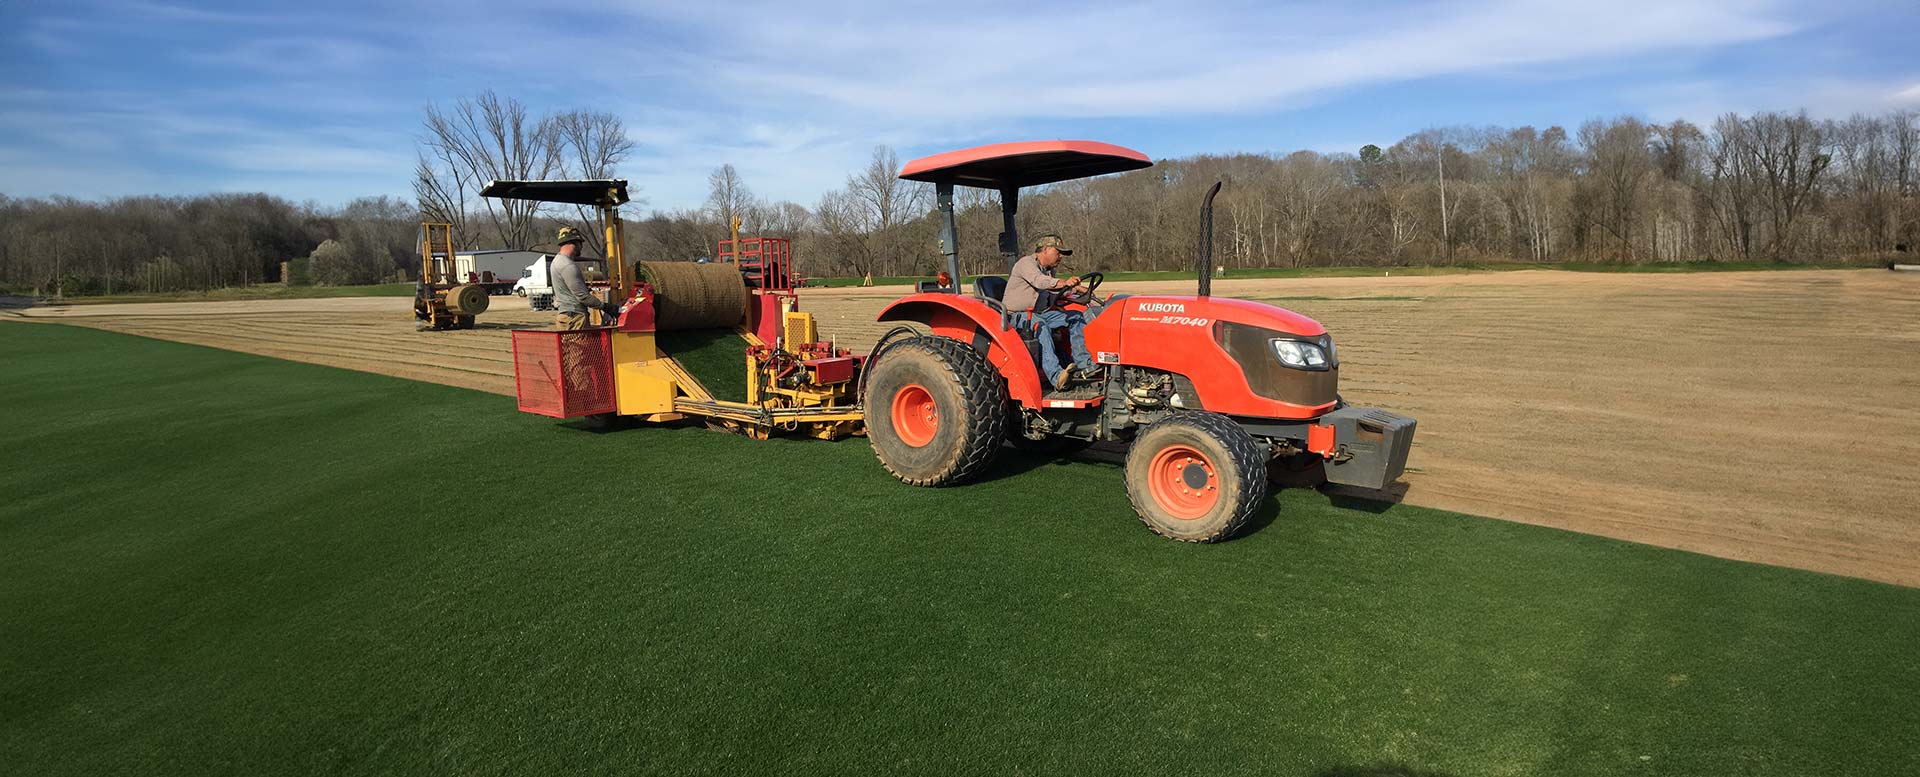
212,562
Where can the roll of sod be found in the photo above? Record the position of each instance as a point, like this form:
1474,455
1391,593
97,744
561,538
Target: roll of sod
690,295
467,300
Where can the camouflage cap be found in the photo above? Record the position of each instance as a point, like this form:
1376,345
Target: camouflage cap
1054,241
569,235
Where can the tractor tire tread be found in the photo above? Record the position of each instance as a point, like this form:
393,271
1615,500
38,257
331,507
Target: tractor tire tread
984,390
1247,459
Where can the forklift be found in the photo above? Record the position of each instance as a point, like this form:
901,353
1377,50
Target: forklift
441,299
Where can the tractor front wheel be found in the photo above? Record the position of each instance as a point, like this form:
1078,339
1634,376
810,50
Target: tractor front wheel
934,411
1196,477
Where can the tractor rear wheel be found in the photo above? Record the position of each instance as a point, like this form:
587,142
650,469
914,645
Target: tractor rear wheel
1196,477
935,411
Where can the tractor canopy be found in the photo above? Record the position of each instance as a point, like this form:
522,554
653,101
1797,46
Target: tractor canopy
1007,168
605,192
1003,166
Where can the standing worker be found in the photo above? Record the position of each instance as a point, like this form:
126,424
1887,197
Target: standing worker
571,297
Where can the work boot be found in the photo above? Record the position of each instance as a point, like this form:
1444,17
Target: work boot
1063,378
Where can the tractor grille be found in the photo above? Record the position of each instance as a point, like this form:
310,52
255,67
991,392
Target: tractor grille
1266,376
563,373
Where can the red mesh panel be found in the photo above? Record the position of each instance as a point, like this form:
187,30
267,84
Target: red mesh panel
563,374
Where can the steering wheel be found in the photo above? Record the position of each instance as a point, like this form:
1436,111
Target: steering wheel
1083,295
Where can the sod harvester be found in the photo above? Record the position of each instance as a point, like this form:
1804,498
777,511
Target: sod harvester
1206,392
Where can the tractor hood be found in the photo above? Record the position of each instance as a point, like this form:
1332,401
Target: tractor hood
1230,349
1193,309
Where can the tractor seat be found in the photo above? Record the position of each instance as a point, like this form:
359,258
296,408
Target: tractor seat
991,287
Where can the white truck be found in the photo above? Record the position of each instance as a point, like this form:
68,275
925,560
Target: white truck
536,281
493,269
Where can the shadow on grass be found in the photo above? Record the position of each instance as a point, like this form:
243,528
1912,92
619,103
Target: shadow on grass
1370,500
606,423
1012,462
1379,770
1268,513
1312,473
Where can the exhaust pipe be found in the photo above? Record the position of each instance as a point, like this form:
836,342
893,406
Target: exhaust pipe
1206,241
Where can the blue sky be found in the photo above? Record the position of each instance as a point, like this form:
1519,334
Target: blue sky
323,101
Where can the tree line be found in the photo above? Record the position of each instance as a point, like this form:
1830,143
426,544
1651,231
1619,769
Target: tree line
1769,187
1773,186
62,245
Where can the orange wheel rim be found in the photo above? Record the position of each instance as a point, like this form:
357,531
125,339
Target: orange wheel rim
915,417
1183,482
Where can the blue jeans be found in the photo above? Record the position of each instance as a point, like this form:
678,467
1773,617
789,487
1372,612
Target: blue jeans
1044,324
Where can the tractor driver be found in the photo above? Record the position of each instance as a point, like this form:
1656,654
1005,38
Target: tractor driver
1031,282
571,297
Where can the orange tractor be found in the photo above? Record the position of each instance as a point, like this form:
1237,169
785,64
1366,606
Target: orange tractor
1206,392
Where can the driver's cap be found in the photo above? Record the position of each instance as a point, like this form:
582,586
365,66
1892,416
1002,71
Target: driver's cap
1052,240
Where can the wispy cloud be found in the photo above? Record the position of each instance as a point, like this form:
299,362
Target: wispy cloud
327,99
298,55
1169,59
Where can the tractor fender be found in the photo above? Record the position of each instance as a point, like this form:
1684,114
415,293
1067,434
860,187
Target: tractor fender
972,321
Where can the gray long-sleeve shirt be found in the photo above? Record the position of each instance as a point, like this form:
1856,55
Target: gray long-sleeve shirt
1025,283
570,292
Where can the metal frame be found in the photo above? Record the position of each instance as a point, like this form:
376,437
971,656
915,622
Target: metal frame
606,195
756,253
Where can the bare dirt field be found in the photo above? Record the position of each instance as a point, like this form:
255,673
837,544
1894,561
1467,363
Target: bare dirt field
1765,416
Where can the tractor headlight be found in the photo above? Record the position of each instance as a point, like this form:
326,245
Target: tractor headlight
1302,355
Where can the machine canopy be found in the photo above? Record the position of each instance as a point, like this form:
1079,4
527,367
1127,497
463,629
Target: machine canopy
1025,163
605,193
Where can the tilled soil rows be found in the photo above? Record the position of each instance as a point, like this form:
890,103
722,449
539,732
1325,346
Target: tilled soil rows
1765,416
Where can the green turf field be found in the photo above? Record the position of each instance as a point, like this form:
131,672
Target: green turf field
218,563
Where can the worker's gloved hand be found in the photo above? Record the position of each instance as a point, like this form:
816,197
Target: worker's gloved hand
612,309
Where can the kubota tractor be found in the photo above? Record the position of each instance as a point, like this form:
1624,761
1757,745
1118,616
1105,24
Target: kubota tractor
1207,392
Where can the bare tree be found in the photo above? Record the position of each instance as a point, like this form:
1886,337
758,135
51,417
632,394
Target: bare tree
1727,187
1788,156
886,200
1308,183
443,187
784,219
1527,164
488,138
729,198
842,232
593,145
1618,160
873,208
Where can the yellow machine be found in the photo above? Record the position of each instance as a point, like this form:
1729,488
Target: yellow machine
795,382
784,392
442,300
